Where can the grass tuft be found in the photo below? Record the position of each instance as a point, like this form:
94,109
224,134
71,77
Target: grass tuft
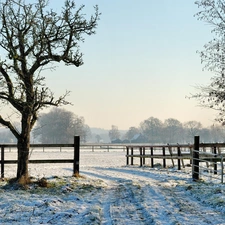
77,175
43,182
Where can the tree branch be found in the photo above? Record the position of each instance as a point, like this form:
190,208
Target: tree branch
10,126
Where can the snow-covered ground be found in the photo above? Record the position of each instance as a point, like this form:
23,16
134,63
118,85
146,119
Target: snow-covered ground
109,192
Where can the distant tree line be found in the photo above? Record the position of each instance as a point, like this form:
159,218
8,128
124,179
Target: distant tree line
153,130
59,126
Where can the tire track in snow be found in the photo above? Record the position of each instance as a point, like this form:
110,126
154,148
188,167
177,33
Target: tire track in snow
125,208
135,199
130,202
120,204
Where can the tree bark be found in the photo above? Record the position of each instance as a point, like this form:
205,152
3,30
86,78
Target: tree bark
23,146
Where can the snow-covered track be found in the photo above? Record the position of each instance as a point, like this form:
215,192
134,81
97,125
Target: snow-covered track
135,198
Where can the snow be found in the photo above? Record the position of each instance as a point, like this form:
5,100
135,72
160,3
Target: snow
109,192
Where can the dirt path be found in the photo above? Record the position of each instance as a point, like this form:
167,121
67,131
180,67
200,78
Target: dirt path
134,198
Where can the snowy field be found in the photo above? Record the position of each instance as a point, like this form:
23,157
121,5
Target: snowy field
109,192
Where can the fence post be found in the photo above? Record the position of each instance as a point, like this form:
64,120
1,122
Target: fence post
195,159
144,155
76,162
171,154
164,159
127,155
141,161
132,158
222,167
2,161
190,148
179,155
215,163
152,160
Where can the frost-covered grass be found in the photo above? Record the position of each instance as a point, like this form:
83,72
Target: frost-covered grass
64,200
109,192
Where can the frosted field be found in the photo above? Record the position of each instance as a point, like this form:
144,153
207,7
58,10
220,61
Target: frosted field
109,192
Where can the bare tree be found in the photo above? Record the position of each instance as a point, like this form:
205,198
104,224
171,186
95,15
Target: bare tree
217,133
79,128
59,126
192,129
152,129
114,133
213,56
172,130
98,138
32,38
132,132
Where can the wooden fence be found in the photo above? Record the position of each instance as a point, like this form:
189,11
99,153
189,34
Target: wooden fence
208,153
75,160
195,154
162,152
103,146
215,157
87,146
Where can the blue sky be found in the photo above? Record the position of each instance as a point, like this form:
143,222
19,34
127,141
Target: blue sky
142,62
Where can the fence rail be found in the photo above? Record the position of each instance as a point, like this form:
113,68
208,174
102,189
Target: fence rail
163,152
211,154
75,160
215,159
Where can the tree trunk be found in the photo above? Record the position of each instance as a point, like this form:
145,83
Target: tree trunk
23,146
